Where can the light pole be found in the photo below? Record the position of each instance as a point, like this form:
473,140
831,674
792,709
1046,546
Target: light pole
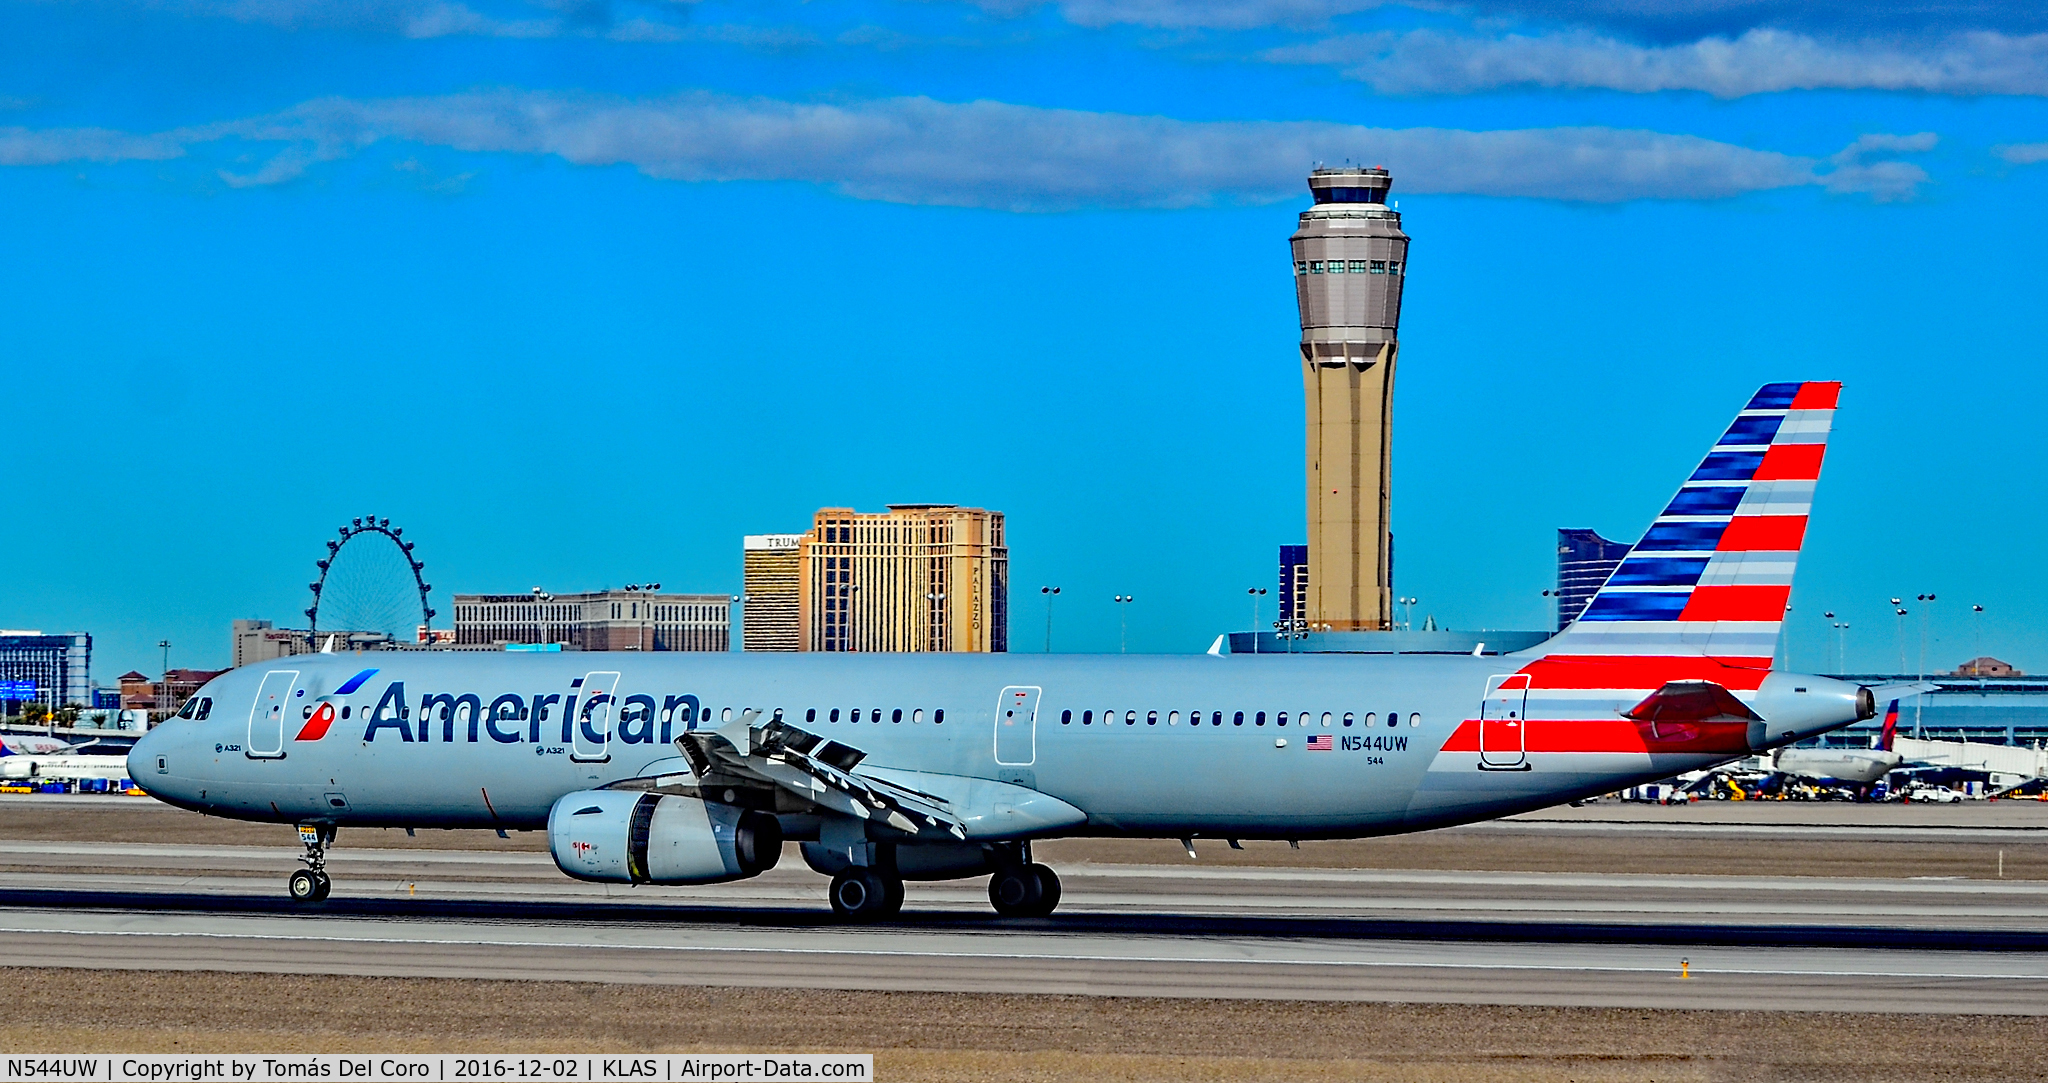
1926,602
1123,602
1899,633
1408,618
1257,593
1050,593
1976,632
938,636
166,645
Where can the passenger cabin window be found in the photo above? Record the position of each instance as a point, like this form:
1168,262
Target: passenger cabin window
1066,718
1347,718
1415,719
917,716
1238,719
1259,719
1393,718
1130,718
1087,717
1326,720
1172,717
835,714
811,715
896,715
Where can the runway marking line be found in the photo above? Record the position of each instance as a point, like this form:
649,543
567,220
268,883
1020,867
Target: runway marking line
1018,957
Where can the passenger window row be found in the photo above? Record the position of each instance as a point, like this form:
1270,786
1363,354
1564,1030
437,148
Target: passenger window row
1238,718
874,714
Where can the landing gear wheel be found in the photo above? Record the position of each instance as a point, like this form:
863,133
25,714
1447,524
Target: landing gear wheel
865,895
1048,890
305,886
1016,891
325,885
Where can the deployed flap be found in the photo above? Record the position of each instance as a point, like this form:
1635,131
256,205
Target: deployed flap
986,809
814,769
1691,701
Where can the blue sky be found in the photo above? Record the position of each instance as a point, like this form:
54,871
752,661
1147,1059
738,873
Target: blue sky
580,291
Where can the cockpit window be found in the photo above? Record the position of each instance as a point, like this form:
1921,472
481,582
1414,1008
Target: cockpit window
190,710
205,708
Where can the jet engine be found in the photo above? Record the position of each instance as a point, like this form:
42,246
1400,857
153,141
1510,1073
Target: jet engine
12,767
624,836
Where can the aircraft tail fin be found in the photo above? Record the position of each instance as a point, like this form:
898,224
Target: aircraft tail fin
1713,574
1891,727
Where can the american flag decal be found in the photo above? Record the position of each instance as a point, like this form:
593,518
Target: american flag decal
1322,742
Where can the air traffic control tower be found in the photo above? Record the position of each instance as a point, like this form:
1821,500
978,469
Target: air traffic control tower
1350,258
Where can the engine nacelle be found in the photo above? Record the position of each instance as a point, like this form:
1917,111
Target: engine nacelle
15,767
628,837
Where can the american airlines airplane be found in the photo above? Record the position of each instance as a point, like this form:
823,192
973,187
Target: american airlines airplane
695,768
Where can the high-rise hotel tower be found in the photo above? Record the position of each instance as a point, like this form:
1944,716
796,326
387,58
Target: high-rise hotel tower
1350,258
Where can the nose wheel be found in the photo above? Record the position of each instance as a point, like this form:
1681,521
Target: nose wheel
309,886
311,883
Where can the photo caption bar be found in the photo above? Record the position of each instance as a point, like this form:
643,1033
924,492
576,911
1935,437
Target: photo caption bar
436,1067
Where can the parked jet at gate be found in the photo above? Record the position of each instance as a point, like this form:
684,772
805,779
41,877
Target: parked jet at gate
1848,766
694,768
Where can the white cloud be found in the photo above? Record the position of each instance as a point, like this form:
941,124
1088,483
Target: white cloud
1023,158
54,146
1205,14
1758,62
2023,153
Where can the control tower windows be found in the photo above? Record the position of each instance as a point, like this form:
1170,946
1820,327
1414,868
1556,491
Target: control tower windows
1358,266
1301,266
1393,266
1336,266
1315,266
1379,266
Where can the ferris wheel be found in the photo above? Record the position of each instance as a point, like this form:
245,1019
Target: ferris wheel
369,583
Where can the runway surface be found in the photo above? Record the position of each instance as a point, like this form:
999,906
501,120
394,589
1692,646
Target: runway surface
1785,942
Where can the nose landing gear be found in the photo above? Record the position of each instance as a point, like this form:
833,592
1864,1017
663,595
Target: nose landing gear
311,883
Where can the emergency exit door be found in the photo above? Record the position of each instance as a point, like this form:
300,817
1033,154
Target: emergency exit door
266,715
1017,727
1504,724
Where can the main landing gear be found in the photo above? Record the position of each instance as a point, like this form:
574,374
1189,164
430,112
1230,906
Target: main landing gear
867,894
1024,891
311,884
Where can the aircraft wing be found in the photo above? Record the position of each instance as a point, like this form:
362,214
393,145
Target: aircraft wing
814,769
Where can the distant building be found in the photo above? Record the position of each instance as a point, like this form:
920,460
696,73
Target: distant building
773,570
1987,666
53,670
1293,584
260,641
604,620
918,577
1584,561
166,695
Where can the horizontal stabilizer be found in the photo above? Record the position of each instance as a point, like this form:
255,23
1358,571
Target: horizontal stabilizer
1691,701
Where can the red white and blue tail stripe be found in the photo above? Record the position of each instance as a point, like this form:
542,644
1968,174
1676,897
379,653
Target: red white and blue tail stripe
1713,574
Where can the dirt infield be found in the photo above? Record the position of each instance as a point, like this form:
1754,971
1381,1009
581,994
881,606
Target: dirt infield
920,1036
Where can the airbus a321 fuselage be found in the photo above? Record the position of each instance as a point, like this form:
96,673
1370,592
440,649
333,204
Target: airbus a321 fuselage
695,768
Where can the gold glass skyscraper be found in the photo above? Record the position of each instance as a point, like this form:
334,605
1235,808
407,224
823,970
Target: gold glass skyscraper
918,577
1350,259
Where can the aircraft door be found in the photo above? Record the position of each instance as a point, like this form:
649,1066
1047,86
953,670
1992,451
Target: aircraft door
1017,727
1503,723
267,714
590,739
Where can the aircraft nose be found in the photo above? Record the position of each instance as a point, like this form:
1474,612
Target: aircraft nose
149,755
